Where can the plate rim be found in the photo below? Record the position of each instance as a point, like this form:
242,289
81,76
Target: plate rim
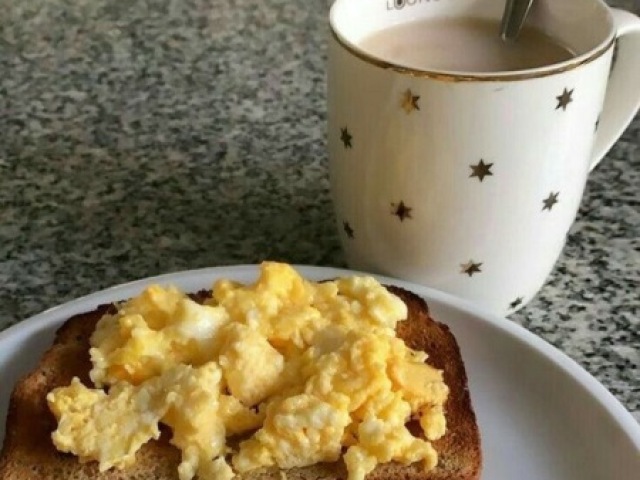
624,420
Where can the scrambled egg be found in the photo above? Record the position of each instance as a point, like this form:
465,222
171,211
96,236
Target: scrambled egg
301,370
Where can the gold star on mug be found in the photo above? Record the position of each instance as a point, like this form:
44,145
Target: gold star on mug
410,101
614,57
565,99
516,303
345,137
481,170
470,268
347,229
401,211
550,201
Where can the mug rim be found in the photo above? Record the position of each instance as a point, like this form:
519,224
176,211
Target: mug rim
464,76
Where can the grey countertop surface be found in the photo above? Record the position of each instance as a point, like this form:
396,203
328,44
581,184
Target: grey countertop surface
139,138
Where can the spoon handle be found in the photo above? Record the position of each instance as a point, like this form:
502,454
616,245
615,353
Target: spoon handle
515,13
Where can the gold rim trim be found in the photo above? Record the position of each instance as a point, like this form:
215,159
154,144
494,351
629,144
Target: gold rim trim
463,77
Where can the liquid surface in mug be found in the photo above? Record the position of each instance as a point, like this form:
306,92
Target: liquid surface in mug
464,45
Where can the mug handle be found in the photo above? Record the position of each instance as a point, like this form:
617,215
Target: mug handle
623,90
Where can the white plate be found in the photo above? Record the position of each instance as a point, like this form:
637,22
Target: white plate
541,415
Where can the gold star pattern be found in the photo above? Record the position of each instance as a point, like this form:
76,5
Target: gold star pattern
401,211
565,99
614,57
410,101
348,230
550,201
516,303
346,137
470,268
481,170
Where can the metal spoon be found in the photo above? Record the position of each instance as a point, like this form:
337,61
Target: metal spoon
515,13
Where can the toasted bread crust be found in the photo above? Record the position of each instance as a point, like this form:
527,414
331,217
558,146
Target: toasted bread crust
29,454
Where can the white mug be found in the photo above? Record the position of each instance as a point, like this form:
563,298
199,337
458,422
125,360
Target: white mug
469,182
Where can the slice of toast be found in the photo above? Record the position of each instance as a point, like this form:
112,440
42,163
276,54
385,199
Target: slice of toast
29,454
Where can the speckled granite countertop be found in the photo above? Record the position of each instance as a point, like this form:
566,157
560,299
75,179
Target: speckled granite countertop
140,138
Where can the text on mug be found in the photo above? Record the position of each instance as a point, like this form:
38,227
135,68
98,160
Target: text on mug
400,4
